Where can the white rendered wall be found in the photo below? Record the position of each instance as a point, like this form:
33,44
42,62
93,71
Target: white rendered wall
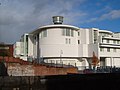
54,43
30,45
17,49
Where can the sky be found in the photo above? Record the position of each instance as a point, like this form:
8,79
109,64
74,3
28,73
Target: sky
23,16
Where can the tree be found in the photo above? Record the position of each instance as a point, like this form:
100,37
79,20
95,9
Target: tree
95,60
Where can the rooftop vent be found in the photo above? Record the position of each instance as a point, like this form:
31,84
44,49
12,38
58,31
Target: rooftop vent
57,19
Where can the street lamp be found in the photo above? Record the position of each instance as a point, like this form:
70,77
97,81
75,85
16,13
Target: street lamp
61,52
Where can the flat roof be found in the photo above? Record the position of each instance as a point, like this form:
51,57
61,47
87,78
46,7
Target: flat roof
54,26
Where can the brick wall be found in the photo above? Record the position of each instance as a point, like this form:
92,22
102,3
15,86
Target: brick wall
18,67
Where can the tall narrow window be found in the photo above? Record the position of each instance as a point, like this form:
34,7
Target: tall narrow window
67,32
78,33
69,41
78,41
66,41
95,36
72,33
63,32
114,41
117,42
45,33
114,49
101,49
108,49
108,41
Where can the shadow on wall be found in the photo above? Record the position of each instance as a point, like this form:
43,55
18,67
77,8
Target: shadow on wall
3,69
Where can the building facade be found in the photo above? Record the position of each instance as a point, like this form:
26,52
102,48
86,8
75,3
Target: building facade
71,45
21,47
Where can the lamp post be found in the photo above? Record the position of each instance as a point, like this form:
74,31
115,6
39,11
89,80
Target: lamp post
61,52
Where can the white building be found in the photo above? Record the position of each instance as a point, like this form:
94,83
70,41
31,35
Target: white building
21,47
72,45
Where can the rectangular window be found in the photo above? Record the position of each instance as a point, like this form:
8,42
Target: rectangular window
108,41
64,32
78,41
66,41
114,41
69,41
108,49
117,42
95,36
114,49
72,33
78,33
45,33
102,40
68,32
101,49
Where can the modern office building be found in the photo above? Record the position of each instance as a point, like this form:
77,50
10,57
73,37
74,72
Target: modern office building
71,45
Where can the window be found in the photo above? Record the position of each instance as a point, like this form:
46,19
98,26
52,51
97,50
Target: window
114,41
63,32
114,49
108,49
67,32
108,41
102,40
78,33
72,33
117,42
95,36
68,41
43,34
101,49
78,41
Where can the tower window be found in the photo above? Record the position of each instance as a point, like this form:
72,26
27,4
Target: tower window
68,41
67,32
78,33
43,34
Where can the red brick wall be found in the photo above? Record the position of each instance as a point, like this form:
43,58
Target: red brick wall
18,67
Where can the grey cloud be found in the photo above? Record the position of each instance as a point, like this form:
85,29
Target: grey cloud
20,16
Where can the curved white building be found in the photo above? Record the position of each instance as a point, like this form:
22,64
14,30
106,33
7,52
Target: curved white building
72,45
55,43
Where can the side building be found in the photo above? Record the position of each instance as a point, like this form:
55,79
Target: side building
21,47
71,45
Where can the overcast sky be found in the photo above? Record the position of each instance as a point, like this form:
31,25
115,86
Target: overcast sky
21,16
